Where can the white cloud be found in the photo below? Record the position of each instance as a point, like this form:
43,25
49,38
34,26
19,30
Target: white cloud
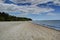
35,2
37,10
57,2
26,9
1,1
23,9
51,14
21,1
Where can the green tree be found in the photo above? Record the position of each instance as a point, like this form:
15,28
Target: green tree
6,17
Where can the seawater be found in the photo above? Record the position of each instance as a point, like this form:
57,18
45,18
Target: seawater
55,24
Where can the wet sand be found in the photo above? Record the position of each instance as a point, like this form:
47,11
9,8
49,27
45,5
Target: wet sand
26,31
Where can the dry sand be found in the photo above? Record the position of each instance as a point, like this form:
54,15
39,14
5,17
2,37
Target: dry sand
26,31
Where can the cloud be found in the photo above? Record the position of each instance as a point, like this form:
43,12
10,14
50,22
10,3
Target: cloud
37,10
8,7
57,2
51,14
21,1
23,9
1,1
35,2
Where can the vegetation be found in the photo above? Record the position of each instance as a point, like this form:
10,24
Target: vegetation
6,17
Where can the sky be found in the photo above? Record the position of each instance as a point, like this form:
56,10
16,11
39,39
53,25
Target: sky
34,9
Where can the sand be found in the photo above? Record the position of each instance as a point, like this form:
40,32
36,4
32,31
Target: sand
26,31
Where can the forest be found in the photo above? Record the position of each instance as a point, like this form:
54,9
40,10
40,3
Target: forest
6,17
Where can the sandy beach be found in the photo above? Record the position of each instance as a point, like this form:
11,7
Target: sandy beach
26,31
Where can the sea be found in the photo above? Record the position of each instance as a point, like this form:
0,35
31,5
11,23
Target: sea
54,24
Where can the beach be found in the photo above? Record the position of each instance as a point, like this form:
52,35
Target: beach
26,31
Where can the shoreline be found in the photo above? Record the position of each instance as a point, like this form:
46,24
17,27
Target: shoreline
26,31
46,27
